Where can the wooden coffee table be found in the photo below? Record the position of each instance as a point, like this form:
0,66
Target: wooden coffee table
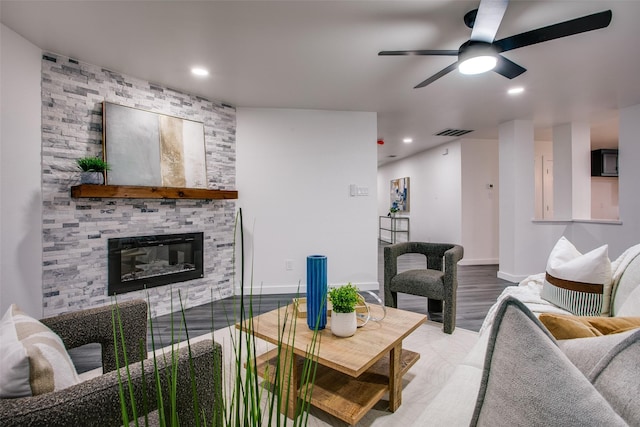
353,373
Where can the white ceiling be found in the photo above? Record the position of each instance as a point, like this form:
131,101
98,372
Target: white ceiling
323,55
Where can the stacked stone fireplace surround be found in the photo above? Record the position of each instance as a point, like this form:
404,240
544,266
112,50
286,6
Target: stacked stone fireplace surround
75,231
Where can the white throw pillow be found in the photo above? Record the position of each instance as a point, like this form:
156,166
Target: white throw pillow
33,358
579,283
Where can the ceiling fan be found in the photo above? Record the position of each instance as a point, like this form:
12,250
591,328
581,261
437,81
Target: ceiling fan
481,52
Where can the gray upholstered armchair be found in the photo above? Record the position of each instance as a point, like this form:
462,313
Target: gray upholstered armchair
96,402
438,281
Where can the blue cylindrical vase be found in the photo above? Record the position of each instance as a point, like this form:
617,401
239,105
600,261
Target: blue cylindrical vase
317,291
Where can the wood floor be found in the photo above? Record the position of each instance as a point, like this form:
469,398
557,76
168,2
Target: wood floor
478,288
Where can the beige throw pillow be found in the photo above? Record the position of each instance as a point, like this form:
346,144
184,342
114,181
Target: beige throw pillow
33,358
579,283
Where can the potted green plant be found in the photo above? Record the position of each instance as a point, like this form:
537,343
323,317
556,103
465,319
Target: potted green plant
93,169
343,315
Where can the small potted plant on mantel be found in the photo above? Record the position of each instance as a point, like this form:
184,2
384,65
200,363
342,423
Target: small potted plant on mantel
343,313
93,169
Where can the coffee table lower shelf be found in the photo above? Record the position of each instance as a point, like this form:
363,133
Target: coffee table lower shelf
341,395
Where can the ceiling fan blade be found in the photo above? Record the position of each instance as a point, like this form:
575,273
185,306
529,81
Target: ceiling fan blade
419,52
488,19
555,31
507,68
437,75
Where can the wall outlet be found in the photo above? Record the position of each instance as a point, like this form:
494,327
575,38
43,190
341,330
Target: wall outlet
288,264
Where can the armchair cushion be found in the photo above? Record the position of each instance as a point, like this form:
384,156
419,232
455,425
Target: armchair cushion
33,358
426,283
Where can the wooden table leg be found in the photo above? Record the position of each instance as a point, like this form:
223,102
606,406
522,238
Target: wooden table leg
289,381
395,378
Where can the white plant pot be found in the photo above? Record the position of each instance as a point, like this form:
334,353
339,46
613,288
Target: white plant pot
343,324
92,178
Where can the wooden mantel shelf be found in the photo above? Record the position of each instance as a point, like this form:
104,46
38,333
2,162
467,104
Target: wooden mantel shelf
138,192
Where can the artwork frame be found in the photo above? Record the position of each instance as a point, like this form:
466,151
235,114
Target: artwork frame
399,194
152,149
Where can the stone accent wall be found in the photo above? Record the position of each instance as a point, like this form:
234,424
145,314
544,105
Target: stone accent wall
75,231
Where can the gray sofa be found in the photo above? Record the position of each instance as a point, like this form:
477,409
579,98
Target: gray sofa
518,374
96,402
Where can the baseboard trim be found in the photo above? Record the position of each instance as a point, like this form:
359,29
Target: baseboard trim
302,288
513,278
479,261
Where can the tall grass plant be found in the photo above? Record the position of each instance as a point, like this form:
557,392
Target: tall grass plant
248,399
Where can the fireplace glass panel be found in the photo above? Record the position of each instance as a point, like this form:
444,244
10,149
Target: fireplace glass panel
142,262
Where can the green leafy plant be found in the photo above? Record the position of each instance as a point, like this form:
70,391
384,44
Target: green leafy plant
344,298
243,402
92,164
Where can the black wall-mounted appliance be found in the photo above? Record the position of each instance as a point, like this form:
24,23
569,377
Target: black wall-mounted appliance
604,162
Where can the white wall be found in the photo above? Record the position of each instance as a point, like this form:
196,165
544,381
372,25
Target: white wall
20,166
480,197
620,236
294,168
449,198
543,176
572,171
605,199
524,244
586,235
435,193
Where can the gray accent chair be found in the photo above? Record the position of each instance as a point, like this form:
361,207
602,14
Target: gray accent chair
96,402
438,281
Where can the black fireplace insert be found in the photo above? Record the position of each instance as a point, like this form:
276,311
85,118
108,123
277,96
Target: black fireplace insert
146,261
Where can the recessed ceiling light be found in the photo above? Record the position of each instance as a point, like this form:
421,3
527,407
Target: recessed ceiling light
198,71
515,90
407,140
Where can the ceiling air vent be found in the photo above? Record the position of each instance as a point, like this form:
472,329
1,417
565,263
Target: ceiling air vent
453,132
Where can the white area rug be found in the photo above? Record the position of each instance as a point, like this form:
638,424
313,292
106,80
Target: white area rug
439,354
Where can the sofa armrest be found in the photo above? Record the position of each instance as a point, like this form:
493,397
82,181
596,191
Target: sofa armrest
95,325
97,402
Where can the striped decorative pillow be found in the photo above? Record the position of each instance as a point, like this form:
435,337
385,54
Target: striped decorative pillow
578,283
33,358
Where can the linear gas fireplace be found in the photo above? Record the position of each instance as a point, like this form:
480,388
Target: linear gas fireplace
146,261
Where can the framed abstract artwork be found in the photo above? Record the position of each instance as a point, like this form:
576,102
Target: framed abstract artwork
400,194
150,149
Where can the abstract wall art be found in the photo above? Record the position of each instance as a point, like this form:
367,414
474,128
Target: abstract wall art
150,149
400,194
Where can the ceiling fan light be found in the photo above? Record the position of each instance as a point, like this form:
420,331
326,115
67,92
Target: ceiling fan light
478,64
475,57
